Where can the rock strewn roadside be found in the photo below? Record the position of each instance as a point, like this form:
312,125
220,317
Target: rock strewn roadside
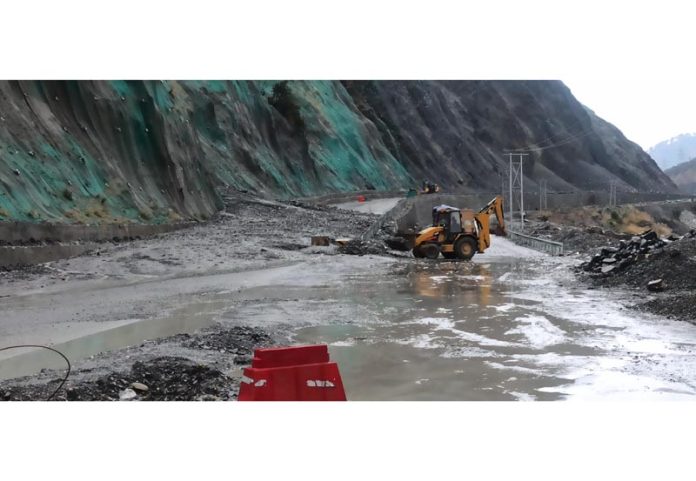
664,268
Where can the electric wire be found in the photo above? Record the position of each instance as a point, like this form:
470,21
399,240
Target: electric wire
67,374
567,140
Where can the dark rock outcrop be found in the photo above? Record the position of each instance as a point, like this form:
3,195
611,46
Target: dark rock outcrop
456,132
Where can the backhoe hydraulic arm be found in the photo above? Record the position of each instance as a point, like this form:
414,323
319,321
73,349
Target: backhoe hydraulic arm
495,206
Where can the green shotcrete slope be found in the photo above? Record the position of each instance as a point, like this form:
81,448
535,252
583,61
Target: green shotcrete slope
155,151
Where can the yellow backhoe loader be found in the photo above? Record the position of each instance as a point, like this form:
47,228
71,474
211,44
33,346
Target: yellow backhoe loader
459,234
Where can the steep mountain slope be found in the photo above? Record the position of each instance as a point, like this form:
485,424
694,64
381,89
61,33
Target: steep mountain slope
674,151
155,151
457,132
684,175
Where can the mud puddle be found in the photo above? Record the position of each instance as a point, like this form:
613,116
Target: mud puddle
198,302
127,332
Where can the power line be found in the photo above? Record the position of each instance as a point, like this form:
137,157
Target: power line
50,349
568,140
550,137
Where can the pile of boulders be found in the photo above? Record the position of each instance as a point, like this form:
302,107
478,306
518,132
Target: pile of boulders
613,259
166,378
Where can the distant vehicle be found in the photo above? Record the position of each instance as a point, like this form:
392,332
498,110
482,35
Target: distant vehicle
429,188
459,234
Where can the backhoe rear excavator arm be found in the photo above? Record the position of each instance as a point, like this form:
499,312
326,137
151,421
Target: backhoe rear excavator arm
495,206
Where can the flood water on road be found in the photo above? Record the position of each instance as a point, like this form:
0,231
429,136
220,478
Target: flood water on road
513,325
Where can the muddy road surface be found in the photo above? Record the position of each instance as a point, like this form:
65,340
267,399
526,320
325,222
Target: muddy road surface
513,324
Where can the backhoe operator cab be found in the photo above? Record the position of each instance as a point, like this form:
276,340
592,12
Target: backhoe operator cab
459,233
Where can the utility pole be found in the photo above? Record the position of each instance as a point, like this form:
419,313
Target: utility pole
612,193
542,195
516,185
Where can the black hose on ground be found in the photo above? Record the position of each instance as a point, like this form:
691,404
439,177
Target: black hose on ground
50,349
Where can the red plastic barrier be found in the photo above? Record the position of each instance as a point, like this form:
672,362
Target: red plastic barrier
300,373
361,198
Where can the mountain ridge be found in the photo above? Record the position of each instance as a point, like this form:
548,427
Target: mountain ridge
674,151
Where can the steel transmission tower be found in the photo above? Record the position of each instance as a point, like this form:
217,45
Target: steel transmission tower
516,186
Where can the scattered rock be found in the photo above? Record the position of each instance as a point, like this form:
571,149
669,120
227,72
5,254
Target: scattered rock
359,247
607,269
623,255
662,266
138,386
240,340
656,285
127,395
208,397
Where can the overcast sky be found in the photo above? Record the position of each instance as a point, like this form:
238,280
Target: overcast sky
630,62
647,109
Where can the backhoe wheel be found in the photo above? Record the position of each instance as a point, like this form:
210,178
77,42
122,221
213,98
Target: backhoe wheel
418,253
449,255
465,247
431,251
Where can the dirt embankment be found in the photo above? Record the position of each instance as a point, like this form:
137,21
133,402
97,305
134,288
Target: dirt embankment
585,229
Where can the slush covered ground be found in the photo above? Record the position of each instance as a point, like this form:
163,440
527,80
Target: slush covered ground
513,324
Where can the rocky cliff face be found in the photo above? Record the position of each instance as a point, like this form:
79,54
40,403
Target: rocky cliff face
457,132
155,151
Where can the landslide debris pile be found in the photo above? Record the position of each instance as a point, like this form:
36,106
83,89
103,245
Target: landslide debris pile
238,340
613,259
664,266
161,379
154,378
166,378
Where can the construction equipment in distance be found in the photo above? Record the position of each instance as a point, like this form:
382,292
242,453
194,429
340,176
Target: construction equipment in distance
429,188
459,234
